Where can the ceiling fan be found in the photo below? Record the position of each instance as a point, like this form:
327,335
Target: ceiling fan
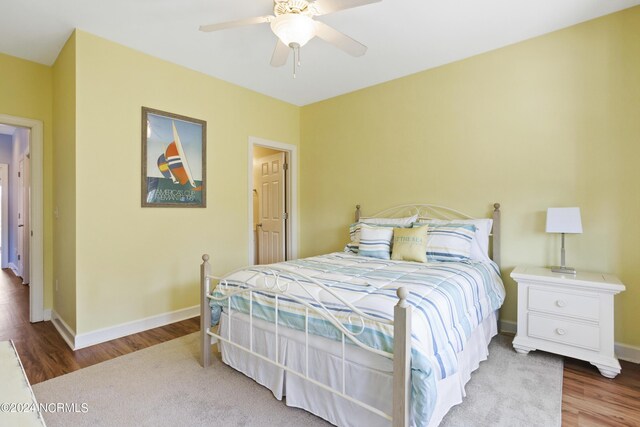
292,22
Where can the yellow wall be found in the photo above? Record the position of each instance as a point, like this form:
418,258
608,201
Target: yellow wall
25,91
553,121
64,135
135,262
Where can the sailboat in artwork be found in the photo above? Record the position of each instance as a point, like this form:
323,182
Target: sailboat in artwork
164,168
173,162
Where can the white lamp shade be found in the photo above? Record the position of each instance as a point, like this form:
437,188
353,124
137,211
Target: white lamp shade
294,28
564,220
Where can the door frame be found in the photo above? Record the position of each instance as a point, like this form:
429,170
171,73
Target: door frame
36,247
24,166
292,194
4,235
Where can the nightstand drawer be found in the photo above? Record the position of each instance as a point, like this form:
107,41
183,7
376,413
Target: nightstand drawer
564,304
564,331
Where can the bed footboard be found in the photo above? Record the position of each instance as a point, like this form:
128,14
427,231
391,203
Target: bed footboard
401,360
205,312
400,416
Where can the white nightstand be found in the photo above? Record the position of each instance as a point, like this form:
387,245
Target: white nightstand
566,314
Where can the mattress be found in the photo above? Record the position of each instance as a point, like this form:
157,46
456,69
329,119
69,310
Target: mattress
449,300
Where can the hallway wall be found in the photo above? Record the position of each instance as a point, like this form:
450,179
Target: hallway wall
6,157
6,142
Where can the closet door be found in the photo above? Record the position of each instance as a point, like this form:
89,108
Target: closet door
272,208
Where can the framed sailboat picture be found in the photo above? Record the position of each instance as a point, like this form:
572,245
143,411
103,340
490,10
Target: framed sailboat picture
173,160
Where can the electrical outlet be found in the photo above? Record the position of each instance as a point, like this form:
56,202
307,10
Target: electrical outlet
57,287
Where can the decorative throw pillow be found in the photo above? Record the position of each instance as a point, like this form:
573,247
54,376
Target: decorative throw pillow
410,244
375,241
450,242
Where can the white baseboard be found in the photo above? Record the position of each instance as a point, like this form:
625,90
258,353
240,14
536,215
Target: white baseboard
626,352
47,314
508,326
107,334
65,331
13,268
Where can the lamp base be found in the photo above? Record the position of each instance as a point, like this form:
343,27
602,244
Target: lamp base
563,270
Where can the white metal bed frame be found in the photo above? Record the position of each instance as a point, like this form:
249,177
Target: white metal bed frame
271,283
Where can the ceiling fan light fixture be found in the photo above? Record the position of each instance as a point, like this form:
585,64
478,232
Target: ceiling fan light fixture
294,29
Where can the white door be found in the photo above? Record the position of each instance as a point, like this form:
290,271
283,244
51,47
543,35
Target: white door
271,240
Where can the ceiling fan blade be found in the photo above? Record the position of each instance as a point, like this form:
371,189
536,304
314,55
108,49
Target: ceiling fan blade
280,54
339,40
233,24
324,7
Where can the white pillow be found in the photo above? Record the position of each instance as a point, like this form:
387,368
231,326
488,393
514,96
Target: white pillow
375,241
480,245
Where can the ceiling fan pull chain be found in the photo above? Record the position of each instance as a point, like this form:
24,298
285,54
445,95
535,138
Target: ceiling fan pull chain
299,56
294,61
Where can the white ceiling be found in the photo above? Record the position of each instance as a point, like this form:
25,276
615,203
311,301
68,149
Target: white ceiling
403,36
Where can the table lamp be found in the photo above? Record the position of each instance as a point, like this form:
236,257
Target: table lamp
563,220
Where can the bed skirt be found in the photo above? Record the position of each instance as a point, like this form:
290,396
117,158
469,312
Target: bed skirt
368,376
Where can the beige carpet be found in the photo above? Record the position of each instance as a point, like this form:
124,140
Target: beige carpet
164,385
511,390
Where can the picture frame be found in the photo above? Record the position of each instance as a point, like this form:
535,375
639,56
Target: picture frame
174,161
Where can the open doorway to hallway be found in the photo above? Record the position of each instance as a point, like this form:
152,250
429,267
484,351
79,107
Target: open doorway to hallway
21,215
272,201
15,195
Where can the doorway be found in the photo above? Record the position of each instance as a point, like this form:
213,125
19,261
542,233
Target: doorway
4,214
272,201
24,249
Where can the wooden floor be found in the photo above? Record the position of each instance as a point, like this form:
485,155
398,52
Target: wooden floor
46,355
588,399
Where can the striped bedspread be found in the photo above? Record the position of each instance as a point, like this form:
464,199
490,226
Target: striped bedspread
449,300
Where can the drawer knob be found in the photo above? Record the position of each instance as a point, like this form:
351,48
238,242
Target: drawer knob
561,303
560,331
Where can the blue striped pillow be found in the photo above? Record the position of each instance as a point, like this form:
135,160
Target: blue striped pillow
354,229
351,248
375,242
449,242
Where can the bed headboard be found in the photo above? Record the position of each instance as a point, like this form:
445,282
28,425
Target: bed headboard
427,211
